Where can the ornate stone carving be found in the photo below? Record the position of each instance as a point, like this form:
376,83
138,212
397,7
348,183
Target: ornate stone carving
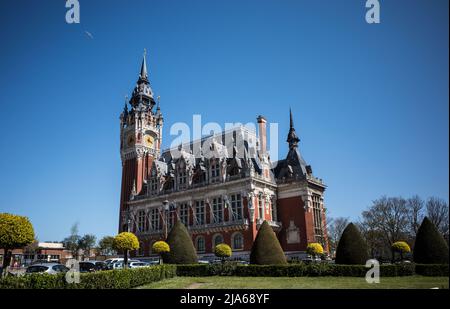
292,233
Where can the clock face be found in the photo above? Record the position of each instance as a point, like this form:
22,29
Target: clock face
130,140
148,140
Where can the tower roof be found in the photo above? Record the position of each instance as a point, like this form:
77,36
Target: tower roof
143,93
292,138
143,74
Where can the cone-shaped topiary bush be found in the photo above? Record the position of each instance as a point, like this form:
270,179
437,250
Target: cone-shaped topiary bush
430,247
266,249
182,249
351,249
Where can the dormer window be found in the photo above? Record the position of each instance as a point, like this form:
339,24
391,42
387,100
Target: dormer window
215,170
182,175
182,179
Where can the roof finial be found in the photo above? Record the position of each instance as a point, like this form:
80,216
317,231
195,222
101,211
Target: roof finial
125,108
291,118
144,65
292,138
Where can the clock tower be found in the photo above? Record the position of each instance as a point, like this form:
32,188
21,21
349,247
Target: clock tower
140,140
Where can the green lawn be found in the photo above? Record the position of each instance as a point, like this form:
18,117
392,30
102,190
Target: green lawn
410,282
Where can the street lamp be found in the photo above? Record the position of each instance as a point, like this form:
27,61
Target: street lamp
128,216
166,211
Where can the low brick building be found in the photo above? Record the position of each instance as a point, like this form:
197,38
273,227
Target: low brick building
41,251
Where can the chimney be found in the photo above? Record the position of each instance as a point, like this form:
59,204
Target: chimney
262,134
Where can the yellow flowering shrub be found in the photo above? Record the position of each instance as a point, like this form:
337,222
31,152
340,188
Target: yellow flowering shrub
126,241
15,231
401,247
314,249
222,251
160,247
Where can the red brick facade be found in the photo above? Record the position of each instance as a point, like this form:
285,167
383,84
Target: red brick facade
223,192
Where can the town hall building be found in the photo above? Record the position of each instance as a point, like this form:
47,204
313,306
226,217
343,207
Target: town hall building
222,187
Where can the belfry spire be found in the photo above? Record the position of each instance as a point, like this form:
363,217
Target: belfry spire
143,93
292,138
144,74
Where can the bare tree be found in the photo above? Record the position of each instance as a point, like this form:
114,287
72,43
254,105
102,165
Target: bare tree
437,212
374,240
335,228
415,207
387,218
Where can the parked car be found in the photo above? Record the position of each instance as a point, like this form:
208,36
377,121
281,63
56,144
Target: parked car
91,266
49,268
110,262
138,264
119,264
203,262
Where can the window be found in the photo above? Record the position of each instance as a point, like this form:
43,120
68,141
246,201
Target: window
200,212
261,206
215,170
199,177
236,207
60,268
42,257
27,257
217,239
142,222
274,210
317,212
182,174
200,244
182,178
217,210
237,241
171,219
154,214
184,214
153,186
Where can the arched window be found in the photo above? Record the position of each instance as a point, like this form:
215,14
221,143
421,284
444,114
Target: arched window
237,241
200,243
217,239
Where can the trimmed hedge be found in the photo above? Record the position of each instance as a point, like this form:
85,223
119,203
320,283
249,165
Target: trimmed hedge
430,247
352,248
291,270
182,250
266,249
110,279
435,270
130,278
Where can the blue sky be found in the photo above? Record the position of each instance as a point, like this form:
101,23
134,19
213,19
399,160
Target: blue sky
370,102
